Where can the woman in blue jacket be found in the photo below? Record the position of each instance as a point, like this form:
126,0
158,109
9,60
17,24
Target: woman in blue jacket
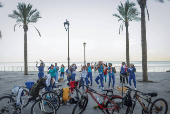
132,71
41,69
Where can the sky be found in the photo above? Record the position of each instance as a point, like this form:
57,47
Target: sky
91,21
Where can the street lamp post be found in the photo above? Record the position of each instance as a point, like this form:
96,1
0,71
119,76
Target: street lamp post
66,25
84,44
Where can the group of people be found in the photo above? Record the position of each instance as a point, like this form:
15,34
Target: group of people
53,70
105,70
86,73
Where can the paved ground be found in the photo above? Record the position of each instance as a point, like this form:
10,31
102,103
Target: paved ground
10,79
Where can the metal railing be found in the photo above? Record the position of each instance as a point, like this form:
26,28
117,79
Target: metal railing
33,68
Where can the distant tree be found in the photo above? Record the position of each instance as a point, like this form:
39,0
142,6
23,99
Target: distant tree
127,12
24,16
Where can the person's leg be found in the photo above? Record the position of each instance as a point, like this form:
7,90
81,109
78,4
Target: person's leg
109,80
126,78
82,79
101,80
56,76
113,78
130,77
90,75
134,80
97,79
39,75
120,78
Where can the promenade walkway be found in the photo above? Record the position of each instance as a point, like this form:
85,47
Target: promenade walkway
162,85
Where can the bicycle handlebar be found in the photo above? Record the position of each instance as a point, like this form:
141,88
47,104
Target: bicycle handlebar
144,94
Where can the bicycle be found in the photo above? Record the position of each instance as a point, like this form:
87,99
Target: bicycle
56,94
110,103
154,108
9,105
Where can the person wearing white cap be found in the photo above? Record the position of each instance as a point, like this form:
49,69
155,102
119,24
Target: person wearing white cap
132,71
74,67
83,74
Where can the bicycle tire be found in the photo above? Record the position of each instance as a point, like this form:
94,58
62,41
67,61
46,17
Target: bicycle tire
119,104
82,104
2,110
48,102
26,92
53,98
160,99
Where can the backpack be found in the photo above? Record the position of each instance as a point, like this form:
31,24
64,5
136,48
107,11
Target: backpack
127,100
37,86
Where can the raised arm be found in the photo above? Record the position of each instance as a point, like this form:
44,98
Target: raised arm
36,64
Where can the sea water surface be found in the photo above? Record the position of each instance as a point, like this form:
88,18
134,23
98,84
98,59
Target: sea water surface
153,66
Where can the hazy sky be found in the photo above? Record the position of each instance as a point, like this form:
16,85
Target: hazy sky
91,21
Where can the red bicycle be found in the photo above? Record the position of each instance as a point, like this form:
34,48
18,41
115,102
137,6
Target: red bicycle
111,103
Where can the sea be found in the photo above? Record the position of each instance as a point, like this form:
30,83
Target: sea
153,66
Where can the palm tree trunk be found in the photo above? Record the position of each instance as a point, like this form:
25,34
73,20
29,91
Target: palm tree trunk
127,45
25,54
144,42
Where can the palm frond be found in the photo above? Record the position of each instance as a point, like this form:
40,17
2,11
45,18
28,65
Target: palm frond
1,5
37,30
120,18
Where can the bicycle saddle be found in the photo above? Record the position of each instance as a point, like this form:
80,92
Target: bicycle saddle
153,94
108,90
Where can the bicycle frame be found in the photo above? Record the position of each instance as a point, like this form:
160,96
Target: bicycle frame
137,98
102,104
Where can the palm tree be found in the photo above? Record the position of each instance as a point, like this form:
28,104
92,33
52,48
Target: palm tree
143,5
128,13
24,16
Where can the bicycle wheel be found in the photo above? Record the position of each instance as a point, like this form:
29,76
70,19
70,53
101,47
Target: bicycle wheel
111,106
80,106
7,105
53,97
43,106
25,97
78,94
159,106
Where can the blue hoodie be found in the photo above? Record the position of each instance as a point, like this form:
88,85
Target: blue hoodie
40,68
131,70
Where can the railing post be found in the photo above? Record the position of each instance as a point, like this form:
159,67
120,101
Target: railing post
21,68
4,68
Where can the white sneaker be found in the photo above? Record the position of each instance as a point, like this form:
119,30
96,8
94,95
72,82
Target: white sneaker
56,82
135,88
67,82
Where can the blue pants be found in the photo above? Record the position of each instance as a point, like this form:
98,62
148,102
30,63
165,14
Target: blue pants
105,76
56,77
40,74
73,77
89,75
62,74
70,78
113,80
100,76
132,76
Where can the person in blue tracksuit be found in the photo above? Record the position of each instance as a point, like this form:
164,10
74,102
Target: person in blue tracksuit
132,71
124,72
100,68
41,69
111,75
69,74
89,74
74,67
56,72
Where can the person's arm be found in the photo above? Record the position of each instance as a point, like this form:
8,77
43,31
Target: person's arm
134,68
36,64
43,63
